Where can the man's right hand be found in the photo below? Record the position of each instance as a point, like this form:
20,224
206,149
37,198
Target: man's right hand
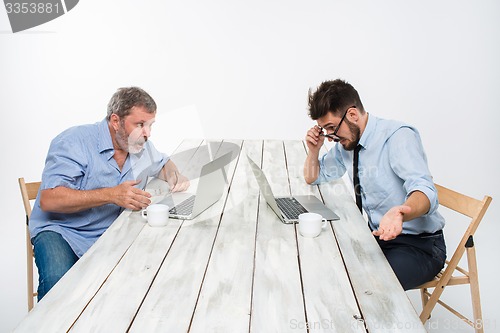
128,196
314,143
314,140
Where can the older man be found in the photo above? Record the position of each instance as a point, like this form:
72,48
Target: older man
93,172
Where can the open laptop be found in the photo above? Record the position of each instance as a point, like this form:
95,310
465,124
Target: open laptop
288,209
209,191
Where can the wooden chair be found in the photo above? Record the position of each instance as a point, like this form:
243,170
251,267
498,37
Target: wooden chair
474,209
29,192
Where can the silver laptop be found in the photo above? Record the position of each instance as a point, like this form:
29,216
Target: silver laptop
209,191
288,209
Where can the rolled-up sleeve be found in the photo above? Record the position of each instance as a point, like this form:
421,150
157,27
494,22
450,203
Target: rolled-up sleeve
409,162
331,166
65,165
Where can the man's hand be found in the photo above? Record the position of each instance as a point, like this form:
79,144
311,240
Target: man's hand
314,140
314,143
391,224
128,196
173,177
177,182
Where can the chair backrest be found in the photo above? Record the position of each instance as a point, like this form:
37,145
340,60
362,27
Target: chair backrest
29,192
465,205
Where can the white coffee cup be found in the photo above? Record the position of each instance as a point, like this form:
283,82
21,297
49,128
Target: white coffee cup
156,214
311,224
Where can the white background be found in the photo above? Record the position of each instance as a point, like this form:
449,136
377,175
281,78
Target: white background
242,69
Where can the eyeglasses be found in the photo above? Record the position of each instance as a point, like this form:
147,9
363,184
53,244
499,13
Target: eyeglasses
334,136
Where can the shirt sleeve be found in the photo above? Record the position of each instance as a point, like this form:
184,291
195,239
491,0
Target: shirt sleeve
331,166
65,165
409,162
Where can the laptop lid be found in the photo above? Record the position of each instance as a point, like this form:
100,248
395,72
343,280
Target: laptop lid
265,188
210,188
211,184
310,202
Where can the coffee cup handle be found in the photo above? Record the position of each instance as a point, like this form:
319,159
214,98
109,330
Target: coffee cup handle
144,214
324,223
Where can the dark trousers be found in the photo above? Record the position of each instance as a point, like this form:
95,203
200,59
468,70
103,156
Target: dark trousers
415,259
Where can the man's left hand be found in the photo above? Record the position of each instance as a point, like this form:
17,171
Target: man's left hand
177,182
391,224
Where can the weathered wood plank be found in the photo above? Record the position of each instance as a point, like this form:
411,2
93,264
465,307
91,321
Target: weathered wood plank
383,303
130,281
329,299
277,295
225,298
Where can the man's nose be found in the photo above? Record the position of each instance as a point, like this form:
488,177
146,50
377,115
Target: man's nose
146,131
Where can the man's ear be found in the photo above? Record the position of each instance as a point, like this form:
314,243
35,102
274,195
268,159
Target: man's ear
353,115
114,120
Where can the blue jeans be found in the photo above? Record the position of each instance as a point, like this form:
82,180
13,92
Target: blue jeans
53,257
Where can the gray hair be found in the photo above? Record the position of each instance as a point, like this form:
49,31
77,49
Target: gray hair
124,99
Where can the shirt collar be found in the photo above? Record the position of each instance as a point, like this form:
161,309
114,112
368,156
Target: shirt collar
364,141
104,143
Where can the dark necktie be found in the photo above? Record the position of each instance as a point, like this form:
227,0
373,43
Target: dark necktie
355,176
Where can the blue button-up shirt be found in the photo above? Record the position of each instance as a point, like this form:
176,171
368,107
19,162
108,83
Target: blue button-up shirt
81,158
392,164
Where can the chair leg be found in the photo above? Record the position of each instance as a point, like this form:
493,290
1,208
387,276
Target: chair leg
29,270
431,303
474,290
425,299
423,296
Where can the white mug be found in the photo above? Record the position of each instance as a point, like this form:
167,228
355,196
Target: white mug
156,214
311,224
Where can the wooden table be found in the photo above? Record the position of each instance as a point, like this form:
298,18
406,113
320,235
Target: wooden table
236,267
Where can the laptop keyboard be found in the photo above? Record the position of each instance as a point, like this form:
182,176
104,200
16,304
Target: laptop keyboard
184,208
290,207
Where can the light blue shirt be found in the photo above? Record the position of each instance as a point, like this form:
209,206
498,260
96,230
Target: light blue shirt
392,164
81,158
